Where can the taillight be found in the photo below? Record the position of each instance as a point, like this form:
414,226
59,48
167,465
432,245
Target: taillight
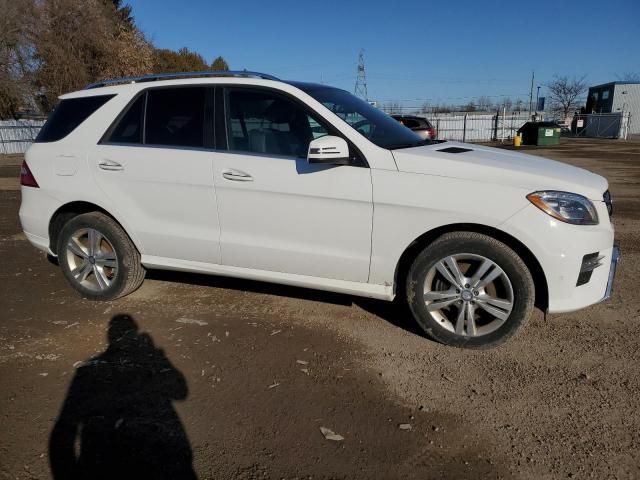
26,177
432,132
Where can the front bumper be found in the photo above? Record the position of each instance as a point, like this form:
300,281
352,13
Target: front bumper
560,249
615,258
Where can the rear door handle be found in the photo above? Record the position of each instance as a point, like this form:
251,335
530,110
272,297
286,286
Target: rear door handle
237,176
110,165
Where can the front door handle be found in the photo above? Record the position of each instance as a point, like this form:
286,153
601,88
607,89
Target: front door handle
237,176
110,165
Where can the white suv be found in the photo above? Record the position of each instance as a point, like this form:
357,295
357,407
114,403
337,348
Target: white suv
244,175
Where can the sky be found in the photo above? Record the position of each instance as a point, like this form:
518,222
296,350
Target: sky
438,51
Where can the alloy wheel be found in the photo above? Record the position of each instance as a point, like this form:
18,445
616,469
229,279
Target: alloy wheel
92,259
468,294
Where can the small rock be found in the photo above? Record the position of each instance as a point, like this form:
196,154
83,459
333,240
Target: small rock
447,378
435,429
305,370
273,385
405,426
302,362
275,332
331,435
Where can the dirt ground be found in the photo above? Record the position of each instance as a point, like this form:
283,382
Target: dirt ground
206,377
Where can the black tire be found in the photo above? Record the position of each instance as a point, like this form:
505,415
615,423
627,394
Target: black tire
126,277
471,243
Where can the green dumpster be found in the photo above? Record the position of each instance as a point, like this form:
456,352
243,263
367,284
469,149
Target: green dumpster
540,133
548,135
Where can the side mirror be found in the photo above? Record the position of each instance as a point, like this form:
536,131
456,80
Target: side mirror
329,150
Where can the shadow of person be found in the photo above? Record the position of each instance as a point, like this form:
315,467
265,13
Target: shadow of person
118,420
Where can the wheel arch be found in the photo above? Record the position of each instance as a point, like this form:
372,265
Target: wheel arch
72,209
424,240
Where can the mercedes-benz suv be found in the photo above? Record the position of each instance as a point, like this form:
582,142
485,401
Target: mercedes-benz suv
244,175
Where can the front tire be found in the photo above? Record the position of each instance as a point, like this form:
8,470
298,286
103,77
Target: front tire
97,257
470,290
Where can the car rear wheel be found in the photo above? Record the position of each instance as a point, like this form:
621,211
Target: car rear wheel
470,290
97,257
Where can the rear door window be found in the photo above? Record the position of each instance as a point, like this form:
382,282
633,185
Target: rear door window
176,117
68,115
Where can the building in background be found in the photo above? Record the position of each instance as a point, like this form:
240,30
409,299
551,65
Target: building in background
617,97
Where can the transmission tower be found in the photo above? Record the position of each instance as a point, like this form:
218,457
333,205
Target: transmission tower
361,79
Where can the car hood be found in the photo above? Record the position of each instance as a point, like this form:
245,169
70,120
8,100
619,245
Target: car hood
499,166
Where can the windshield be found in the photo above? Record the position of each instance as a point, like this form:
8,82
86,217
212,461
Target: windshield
367,120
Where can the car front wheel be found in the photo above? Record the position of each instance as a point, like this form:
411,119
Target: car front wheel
470,290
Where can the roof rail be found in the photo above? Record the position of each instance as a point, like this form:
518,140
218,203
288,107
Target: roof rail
170,76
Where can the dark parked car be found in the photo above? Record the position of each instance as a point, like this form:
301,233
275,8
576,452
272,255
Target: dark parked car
420,125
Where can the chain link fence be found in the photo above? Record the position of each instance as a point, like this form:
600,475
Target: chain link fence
17,135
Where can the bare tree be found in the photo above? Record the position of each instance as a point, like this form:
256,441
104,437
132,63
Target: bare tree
469,107
565,92
16,55
519,105
99,42
629,77
484,103
392,108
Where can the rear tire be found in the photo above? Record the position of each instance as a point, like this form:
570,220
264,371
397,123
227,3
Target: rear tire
97,257
470,290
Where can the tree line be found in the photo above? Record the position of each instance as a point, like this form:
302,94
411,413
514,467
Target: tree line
51,47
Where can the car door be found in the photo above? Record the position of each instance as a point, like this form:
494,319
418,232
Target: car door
154,167
278,212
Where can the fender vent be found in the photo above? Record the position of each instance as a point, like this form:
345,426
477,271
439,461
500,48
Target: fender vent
455,150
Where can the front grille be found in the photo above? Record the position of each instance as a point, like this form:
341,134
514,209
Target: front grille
608,200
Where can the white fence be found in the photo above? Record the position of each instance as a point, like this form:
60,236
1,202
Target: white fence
477,127
17,135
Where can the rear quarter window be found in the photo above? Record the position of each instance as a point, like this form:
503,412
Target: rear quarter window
68,115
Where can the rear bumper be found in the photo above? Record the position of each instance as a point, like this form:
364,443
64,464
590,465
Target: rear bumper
36,210
41,243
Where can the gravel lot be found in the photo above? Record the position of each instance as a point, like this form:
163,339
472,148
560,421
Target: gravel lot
234,379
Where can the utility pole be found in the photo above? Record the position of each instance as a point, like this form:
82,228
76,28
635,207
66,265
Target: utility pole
533,76
361,79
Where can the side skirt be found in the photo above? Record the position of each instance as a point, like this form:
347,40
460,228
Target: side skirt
380,292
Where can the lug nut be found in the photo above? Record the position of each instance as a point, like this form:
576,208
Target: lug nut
466,285
457,291
475,292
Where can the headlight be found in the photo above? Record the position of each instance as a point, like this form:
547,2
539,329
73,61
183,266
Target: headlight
566,207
